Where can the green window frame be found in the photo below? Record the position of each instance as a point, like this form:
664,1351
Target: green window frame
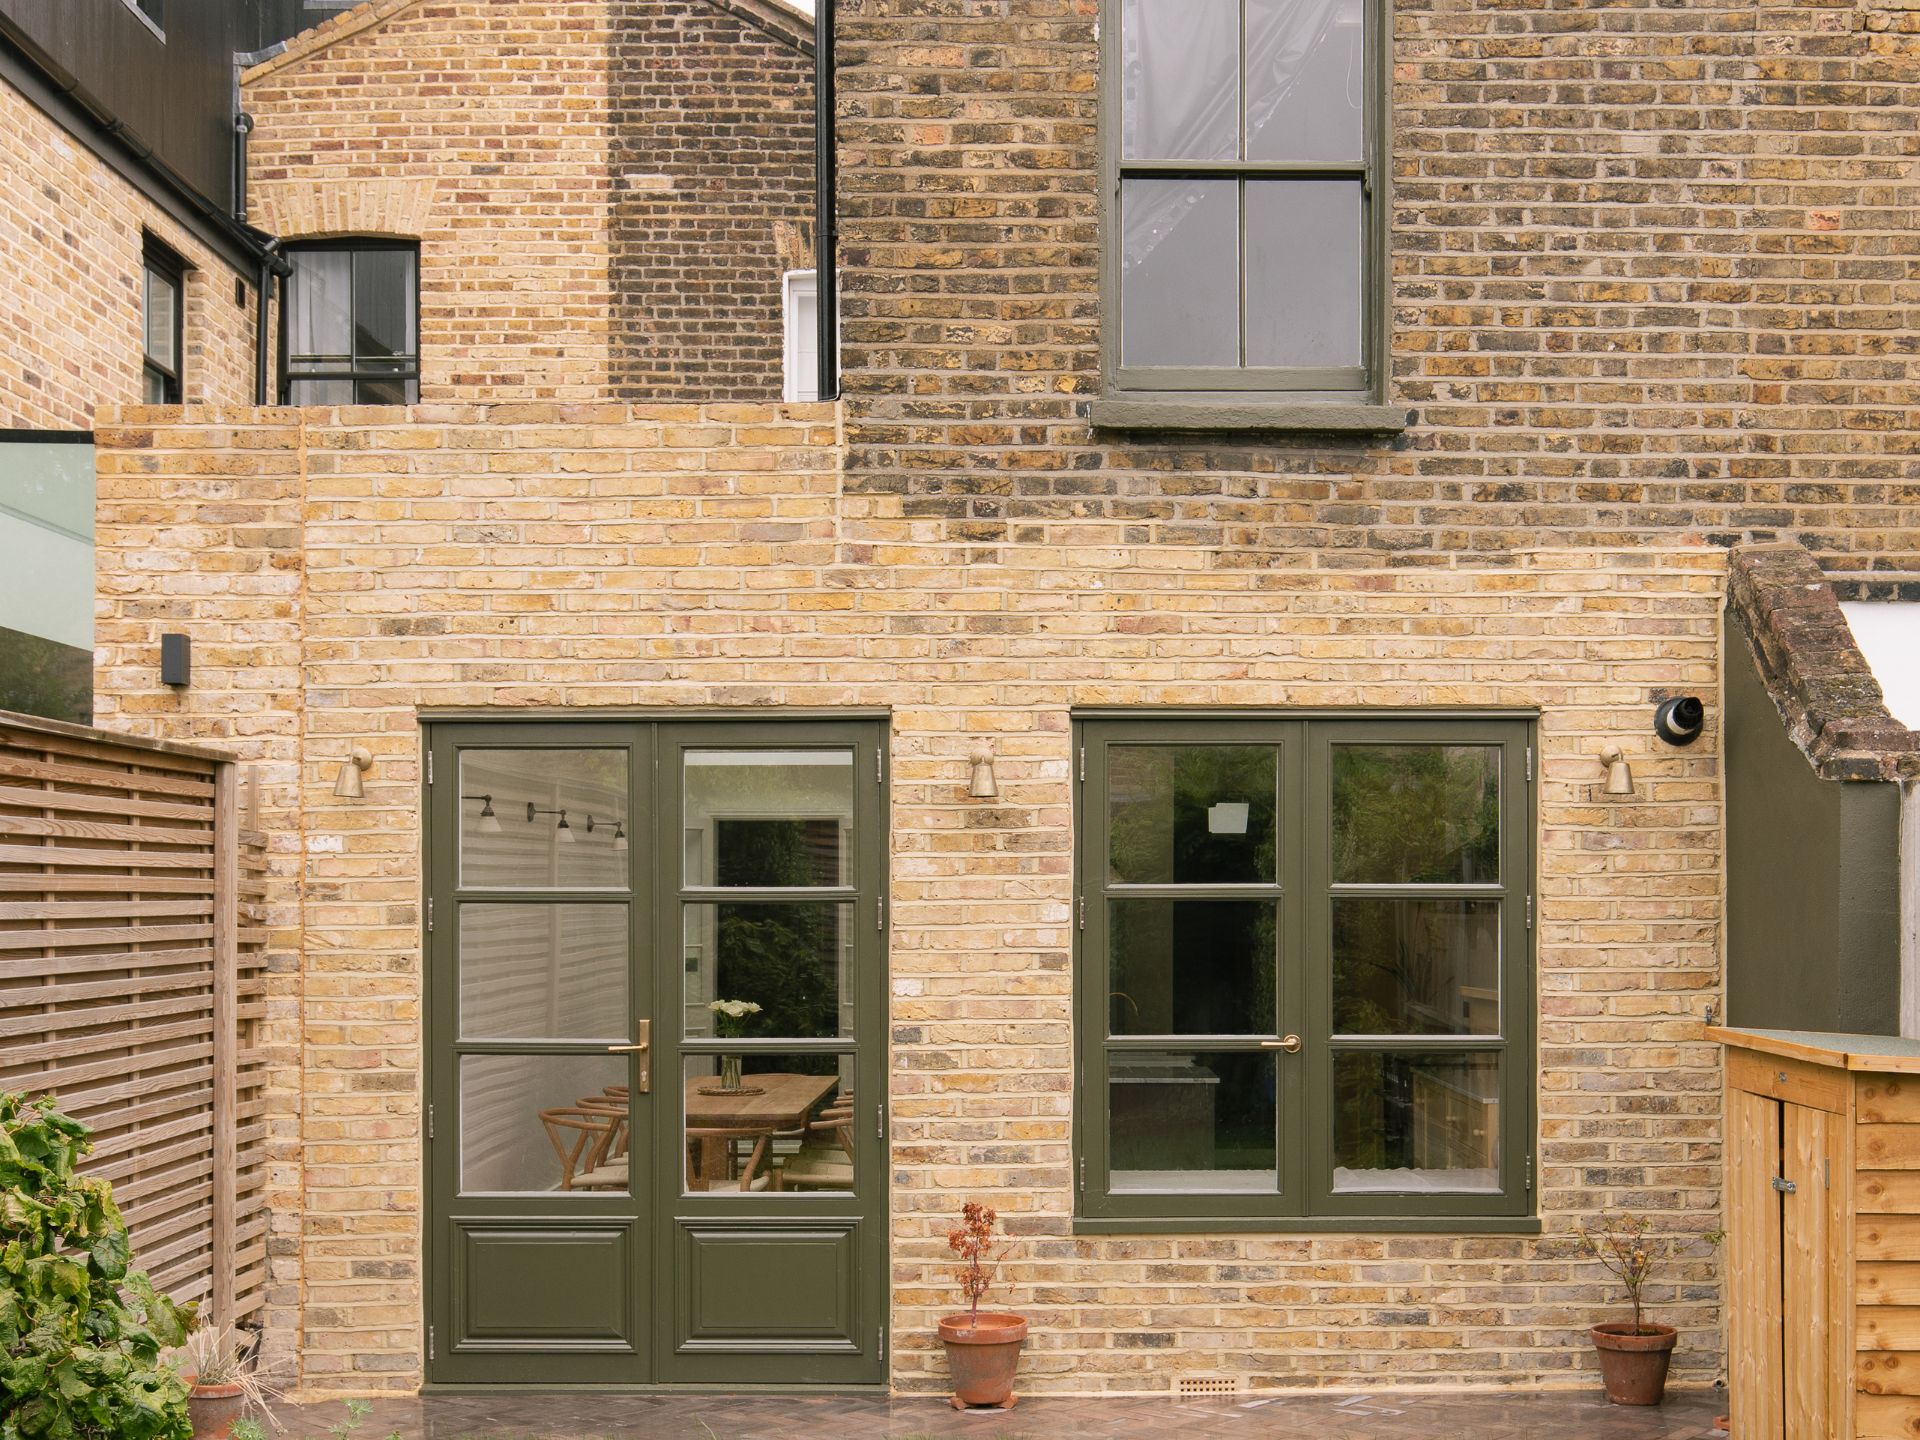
1363,983
1270,183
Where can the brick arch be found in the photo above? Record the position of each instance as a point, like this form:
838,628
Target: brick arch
397,209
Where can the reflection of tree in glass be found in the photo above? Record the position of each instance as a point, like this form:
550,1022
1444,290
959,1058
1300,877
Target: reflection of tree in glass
1386,979
781,956
1416,814
1161,796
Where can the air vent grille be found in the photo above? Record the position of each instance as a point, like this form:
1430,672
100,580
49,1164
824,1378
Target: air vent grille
1197,1387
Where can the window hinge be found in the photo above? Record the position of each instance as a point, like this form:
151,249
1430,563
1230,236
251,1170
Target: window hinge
1529,764
429,1120
1083,912
1083,762
429,767
880,914
880,766
1529,912
430,1342
880,1121
429,914
1527,1180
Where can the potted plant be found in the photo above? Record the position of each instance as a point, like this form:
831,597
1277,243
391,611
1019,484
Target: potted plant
1633,1355
223,1381
983,1351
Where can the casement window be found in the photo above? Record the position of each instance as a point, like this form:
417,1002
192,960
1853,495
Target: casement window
800,308
162,322
1245,145
350,329
1304,976
154,12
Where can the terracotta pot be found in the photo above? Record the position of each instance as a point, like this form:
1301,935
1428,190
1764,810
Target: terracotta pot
1634,1365
214,1408
983,1357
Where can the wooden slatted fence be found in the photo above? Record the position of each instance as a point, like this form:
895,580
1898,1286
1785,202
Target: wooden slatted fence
132,983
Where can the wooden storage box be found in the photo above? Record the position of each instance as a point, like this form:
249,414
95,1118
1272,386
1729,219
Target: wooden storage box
1823,1234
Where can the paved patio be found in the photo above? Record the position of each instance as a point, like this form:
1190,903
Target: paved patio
588,1416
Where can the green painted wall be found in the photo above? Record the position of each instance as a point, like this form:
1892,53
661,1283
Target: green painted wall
1813,876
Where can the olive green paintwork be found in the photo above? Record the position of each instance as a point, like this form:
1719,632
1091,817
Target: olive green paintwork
1813,876
658,1287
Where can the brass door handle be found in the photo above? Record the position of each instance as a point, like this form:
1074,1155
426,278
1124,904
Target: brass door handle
1291,1044
639,1047
628,1049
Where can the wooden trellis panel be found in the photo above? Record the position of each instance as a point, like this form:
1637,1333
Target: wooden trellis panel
132,982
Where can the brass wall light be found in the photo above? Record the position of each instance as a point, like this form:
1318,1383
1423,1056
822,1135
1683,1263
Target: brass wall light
347,784
983,785
1619,772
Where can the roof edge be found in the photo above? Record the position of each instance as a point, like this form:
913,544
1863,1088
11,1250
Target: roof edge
334,28
1812,667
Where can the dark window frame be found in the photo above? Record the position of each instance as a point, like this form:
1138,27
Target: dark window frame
1304,1200
152,14
1298,388
352,372
159,261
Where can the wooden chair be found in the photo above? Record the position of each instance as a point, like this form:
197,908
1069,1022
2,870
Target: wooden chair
582,1137
617,1106
755,1174
824,1160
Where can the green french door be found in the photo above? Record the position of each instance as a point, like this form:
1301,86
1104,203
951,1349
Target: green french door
655,1052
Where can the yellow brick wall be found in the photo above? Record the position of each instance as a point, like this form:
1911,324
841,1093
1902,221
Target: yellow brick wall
339,569
70,285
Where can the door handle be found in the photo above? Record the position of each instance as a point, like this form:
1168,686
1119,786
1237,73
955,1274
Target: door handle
1291,1044
639,1047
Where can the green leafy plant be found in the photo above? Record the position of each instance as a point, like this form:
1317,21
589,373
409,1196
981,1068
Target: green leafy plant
80,1332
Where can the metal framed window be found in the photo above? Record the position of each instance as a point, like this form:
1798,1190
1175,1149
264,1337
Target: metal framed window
162,323
1244,146
1304,982
350,324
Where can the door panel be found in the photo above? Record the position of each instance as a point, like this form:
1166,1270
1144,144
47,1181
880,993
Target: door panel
1807,1162
624,1202
1754,1274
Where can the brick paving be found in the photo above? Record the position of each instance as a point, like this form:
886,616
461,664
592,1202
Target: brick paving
581,1415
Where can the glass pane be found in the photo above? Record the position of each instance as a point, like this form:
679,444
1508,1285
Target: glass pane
1416,814
383,392
1180,79
320,392
1416,967
544,819
536,1124
774,818
1204,1122
793,960
769,1122
1416,1123
543,972
1179,269
1306,258
383,302
1306,79
163,302
155,387
1191,814
320,303
1193,967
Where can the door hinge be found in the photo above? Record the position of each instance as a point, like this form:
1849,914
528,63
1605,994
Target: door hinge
1083,1174
1083,762
880,914
1529,912
1527,1176
880,765
1826,1171
429,914
1783,1185
1083,912
883,1343
429,1120
880,1121
1529,764
430,1342
429,767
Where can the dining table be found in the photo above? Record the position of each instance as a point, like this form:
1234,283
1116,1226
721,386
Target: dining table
782,1104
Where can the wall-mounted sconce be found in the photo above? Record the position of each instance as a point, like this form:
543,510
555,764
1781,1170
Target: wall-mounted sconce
176,660
619,831
563,832
1619,773
347,784
1679,721
983,785
489,821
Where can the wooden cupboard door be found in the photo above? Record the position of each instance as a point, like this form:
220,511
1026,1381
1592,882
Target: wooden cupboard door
1807,1279
1755,1359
